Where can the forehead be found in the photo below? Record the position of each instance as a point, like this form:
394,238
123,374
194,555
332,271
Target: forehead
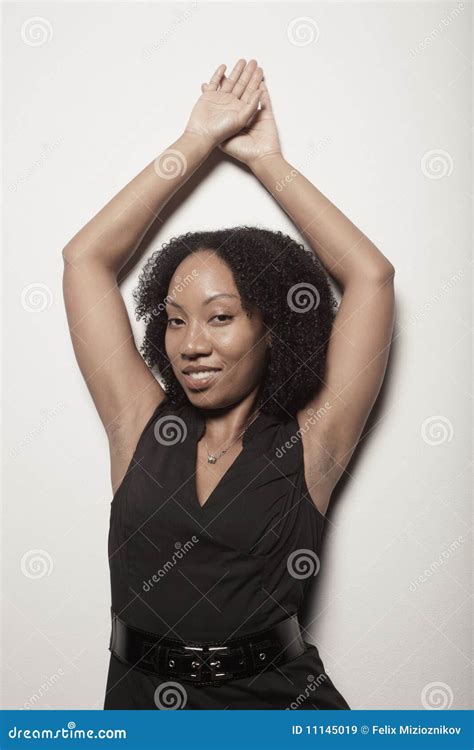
199,276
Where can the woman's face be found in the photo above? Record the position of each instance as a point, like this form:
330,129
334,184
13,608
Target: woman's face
208,329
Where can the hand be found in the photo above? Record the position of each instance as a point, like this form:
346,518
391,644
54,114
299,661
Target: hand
218,114
259,137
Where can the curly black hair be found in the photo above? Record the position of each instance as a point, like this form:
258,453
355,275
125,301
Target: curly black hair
286,282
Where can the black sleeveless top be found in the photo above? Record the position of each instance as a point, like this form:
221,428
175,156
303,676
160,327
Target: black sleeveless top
236,565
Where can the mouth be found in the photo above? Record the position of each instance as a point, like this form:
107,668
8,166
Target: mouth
201,379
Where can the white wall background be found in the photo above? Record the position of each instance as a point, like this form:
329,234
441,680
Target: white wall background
373,105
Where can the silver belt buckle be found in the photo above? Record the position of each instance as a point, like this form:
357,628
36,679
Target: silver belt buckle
206,664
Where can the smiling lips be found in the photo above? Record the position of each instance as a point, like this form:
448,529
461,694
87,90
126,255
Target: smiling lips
200,376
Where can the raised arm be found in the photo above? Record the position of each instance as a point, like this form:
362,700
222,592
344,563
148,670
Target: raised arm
360,340
124,390
361,335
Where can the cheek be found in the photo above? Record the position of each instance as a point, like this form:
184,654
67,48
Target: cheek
171,346
239,348
233,342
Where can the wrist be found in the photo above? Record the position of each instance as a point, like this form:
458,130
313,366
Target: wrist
203,142
265,161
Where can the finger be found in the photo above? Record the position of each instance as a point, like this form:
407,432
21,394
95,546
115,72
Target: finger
244,78
251,107
230,82
252,85
265,97
216,77
222,83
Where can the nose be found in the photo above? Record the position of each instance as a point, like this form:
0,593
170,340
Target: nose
195,341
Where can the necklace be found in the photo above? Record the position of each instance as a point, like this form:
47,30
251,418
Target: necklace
212,457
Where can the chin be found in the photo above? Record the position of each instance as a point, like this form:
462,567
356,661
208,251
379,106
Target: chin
206,400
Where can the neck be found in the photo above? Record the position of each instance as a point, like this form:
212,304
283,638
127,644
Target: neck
224,425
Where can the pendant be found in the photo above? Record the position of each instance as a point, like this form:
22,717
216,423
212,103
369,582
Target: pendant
211,459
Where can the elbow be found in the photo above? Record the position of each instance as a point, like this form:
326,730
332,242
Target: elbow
75,253
377,274
80,254
67,253
388,271
378,267
383,271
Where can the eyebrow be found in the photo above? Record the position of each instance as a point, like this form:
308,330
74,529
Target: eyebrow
207,301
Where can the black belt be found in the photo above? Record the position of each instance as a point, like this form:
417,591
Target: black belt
206,662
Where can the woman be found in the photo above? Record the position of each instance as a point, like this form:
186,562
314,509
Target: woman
223,472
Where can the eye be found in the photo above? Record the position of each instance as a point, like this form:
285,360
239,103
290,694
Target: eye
173,320
223,315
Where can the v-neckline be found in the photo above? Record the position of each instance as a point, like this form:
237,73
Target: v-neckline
219,483
197,434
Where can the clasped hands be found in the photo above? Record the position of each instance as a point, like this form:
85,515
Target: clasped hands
227,114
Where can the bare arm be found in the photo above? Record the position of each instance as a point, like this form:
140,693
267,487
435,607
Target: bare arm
121,384
360,340
123,388
361,336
